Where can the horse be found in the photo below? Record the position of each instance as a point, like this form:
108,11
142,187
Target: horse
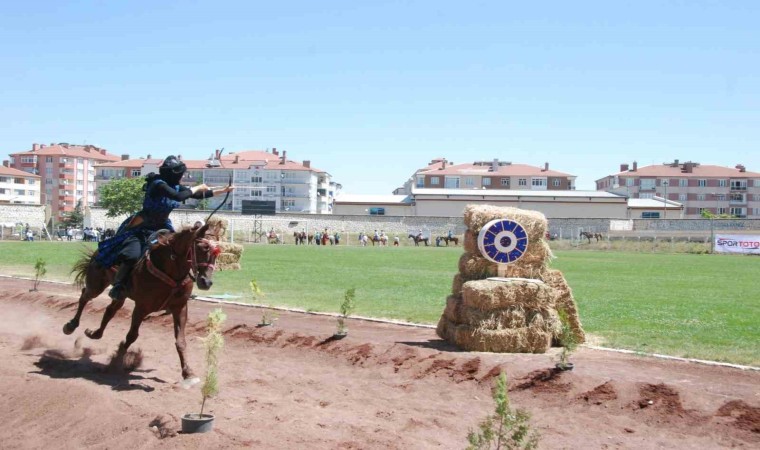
417,239
274,238
161,280
447,239
300,238
588,235
381,240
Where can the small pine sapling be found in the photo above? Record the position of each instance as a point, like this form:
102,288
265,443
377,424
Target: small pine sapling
345,310
506,428
40,270
258,295
212,343
567,339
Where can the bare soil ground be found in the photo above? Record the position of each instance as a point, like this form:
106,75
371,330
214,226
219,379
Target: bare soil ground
383,386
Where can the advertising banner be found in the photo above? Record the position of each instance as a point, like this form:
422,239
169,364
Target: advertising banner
746,244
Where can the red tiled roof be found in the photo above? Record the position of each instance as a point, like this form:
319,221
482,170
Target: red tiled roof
700,171
9,171
75,151
484,170
130,163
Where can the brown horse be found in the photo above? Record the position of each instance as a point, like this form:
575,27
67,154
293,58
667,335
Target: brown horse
417,239
589,236
447,239
161,280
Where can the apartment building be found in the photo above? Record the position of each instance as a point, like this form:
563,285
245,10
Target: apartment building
67,173
699,187
257,175
17,186
494,174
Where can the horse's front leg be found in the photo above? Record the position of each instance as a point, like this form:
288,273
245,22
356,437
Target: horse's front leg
138,315
179,313
107,316
95,283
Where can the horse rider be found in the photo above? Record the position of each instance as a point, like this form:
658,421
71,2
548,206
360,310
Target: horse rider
163,193
451,234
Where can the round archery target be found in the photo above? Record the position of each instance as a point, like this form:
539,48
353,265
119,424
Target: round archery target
502,241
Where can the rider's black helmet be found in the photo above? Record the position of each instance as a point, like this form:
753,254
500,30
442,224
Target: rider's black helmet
172,165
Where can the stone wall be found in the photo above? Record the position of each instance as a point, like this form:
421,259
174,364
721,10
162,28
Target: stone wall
286,224
34,215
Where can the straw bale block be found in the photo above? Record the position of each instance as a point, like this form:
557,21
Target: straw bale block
228,247
233,266
227,258
489,295
521,340
534,222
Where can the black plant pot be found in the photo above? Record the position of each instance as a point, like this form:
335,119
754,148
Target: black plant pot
191,423
340,335
566,366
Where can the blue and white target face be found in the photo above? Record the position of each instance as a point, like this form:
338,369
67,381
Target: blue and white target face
502,241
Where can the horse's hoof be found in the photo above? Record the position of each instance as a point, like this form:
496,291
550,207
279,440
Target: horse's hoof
187,383
93,334
68,328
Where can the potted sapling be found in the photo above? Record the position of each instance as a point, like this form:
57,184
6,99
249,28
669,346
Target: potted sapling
345,310
568,340
212,344
267,317
40,269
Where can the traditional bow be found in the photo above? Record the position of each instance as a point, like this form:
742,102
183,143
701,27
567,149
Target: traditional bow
225,197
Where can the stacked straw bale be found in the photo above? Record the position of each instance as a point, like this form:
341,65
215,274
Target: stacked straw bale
229,258
516,315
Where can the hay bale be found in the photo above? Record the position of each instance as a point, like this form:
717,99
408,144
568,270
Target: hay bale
563,299
534,222
529,339
453,310
472,266
228,247
456,285
490,295
217,228
233,266
227,258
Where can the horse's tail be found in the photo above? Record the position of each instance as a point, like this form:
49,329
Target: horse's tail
80,267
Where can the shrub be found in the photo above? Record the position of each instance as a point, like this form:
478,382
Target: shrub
506,428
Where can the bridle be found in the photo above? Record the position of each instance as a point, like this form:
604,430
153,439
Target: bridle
192,259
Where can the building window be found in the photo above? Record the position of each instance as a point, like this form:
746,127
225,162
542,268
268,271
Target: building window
486,181
738,212
556,182
420,182
721,210
646,195
629,182
28,159
703,210
469,182
505,182
49,159
756,198
256,193
522,182
683,182
739,185
681,197
722,183
435,181
756,211
257,180
650,215
287,203
538,183
377,211
48,170
48,181
648,183
720,197
702,183
271,189
135,173
757,183
700,197
451,182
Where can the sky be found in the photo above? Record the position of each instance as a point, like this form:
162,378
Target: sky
372,91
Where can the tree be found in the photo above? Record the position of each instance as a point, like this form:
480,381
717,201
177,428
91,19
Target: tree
75,218
124,196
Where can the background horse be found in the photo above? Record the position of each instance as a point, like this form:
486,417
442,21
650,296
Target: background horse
161,280
447,239
589,236
417,239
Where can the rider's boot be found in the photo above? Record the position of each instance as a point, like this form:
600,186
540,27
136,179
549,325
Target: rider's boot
118,291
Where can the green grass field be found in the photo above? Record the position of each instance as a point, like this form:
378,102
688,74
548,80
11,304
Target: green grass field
700,306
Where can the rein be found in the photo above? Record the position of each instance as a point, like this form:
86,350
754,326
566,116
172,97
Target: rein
192,258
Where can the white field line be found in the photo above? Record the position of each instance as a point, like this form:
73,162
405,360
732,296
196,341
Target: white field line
422,325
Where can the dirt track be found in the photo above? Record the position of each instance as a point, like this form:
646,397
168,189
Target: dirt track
383,386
